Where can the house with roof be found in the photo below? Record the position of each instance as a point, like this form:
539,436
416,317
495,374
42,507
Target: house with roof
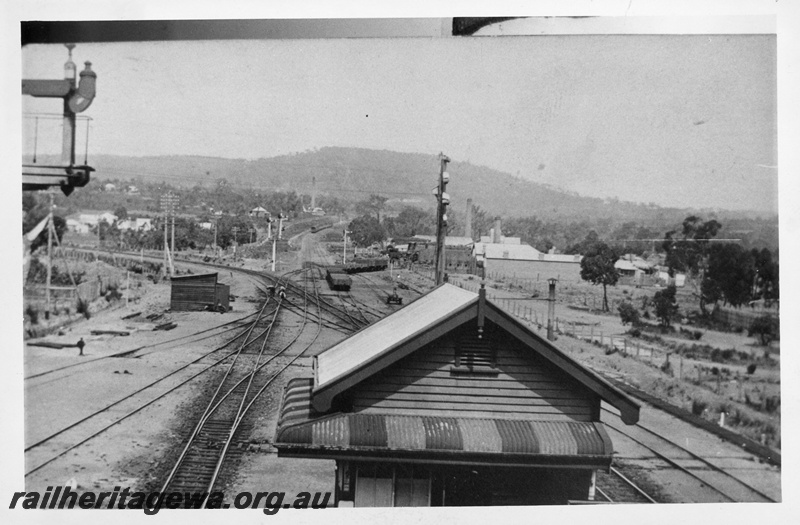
523,261
93,219
259,211
136,224
75,225
459,256
450,401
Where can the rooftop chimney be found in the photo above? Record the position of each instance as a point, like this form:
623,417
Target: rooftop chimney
497,234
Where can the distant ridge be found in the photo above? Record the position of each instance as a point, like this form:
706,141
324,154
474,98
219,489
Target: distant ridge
354,173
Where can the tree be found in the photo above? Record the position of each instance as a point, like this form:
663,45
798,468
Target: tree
481,221
374,204
597,267
585,245
666,305
121,212
365,230
225,233
729,276
689,253
411,221
766,278
765,327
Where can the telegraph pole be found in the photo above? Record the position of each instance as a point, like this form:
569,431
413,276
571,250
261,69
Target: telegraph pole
344,246
49,257
235,230
168,206
442,199
216,220
274,252
174,203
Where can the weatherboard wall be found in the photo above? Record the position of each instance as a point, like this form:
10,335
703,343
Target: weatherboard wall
512,383
193,292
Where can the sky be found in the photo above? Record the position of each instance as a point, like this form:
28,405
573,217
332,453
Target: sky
677,120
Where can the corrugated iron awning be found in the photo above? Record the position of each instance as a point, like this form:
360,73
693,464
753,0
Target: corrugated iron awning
468,440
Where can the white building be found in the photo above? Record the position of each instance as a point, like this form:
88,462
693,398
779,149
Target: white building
92,219
144,225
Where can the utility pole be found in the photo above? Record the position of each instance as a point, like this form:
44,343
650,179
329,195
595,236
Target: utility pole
274,252
49,256
344,246
280,225
174,204
443,199
215,220
168,207
235,230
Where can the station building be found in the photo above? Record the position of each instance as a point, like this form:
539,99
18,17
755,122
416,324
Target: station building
449,401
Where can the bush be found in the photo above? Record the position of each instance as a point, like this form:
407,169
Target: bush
772,403
628,314
635,332
112,293
751,369
698,407
32,313
83,308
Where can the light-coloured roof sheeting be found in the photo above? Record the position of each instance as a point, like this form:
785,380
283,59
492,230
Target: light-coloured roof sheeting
524,252
625,265
487,239
448,241
381,337
560,257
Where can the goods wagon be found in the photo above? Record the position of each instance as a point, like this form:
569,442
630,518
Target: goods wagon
367,265
338,281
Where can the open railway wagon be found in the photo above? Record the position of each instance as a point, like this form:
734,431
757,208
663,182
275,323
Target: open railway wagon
375,264
338,281
319,227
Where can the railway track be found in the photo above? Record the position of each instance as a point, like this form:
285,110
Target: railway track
87,428
616,487
211,443
703,479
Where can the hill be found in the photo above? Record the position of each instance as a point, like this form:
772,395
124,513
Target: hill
406,178
354,173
